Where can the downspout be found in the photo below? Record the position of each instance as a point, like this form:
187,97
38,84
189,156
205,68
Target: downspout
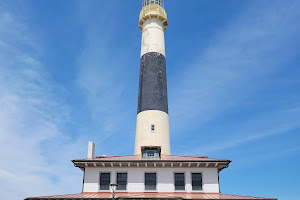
83,179
219,182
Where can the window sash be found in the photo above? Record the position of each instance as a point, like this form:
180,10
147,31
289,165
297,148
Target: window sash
150,153
152,127
150,181
196,181
179,181
121,181
104,181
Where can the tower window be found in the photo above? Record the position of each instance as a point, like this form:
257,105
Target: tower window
150,181
121,181
152,127
179,181
104,181
196,181
150,154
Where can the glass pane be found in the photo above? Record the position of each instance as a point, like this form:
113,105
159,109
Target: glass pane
121,181
158,2
179,181
104,181
197,181
150,181
152,127
150,153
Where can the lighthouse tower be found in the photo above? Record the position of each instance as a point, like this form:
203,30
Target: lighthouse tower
152,126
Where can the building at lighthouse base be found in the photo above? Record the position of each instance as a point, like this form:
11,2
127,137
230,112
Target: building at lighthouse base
150,176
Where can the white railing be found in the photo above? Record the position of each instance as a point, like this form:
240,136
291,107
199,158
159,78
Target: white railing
158,2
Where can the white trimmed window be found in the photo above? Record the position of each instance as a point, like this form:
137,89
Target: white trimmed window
122,181
104,181
150,181
197,181
179,181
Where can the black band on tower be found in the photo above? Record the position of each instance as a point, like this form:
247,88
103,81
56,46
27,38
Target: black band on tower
153,83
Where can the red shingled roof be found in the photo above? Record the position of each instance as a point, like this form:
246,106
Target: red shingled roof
107,195
163,158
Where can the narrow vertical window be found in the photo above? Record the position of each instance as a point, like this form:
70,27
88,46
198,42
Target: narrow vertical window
104,181
152,127
121,181
197,181
150,181
179,181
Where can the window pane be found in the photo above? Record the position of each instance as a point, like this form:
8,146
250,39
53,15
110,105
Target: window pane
179,181
150,181
104,181
121,181
197,181
152,127
150,153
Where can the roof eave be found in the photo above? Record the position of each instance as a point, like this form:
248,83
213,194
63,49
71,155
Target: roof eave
220,164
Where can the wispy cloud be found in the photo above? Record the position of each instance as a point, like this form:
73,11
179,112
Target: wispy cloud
238,65
31,115
238,61
267,125
105,76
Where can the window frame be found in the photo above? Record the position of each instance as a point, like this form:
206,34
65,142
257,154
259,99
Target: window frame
158,2
193,190
110,174
126,180
150,151
145,189
184,180
152,128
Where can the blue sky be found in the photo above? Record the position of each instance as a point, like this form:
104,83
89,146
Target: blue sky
69,74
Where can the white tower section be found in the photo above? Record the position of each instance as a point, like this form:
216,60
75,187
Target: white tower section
152,127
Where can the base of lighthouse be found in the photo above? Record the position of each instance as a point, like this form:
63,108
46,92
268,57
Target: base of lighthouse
152,129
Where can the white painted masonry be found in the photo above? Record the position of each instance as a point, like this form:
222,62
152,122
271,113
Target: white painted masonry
165,178
91,150
145,137
153,38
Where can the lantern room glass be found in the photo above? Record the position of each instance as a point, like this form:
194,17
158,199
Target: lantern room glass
158,2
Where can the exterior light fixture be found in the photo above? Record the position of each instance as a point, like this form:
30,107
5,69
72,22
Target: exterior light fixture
113,187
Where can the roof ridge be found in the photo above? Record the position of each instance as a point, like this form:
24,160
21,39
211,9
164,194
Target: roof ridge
191,156
113,156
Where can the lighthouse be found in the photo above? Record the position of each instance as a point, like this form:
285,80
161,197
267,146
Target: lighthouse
152,172
152,125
